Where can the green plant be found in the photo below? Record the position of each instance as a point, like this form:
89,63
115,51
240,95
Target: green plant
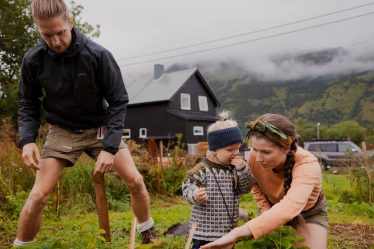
361,177
282,238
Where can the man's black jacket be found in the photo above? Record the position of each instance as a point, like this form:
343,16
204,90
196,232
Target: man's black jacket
76,87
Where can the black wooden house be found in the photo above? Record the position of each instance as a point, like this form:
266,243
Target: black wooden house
169,103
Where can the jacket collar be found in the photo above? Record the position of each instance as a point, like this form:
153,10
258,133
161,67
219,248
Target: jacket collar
79,40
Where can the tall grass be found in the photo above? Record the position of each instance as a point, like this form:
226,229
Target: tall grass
75,192
14,176
361,172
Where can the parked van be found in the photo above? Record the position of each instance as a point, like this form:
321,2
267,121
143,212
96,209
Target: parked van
334,152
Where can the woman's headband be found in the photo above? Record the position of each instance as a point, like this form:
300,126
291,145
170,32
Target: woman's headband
272,132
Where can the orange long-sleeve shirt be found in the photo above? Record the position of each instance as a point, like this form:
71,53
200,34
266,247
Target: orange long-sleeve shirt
302,195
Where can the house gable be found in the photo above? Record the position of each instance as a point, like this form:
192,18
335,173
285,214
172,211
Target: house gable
155,107
194,87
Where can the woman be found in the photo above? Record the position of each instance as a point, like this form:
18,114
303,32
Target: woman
288,185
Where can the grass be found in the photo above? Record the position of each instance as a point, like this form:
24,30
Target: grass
81,230
75,225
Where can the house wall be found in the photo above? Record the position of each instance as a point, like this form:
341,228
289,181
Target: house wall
190,137
194,87
155,118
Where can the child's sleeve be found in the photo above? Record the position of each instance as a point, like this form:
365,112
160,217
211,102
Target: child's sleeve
245,179
194,180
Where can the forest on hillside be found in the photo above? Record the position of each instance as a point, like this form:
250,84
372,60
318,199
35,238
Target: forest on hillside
327,100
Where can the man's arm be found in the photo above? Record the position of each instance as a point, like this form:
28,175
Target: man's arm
116,96
29,92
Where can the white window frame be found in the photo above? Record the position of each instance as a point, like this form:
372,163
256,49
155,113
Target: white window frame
203,103
126,131
198,131
185,101
141,131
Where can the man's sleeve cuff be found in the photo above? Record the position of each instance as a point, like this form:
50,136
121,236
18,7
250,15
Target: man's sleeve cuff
25,141
110,150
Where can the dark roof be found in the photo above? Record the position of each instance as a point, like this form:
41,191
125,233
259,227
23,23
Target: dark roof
148,90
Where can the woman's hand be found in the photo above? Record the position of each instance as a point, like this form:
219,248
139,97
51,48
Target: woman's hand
228,241
201,195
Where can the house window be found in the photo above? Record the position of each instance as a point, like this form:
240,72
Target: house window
198,131
143,133
126,133
185,101
203,103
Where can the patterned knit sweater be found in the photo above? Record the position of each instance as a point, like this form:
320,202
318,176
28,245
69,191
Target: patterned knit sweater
215,219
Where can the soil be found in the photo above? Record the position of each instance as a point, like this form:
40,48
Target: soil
352,235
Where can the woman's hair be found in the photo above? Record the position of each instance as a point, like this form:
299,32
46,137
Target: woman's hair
47,9
223,122
282,123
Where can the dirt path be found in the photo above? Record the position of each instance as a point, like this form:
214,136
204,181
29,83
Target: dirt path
352,236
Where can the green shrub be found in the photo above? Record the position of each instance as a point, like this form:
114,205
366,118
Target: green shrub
284,237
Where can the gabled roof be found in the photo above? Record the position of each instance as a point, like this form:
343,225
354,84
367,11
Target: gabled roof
148,90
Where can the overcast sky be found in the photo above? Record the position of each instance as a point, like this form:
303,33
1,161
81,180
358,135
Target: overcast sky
138,27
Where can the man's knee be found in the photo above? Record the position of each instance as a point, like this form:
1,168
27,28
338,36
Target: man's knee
37,201
136,184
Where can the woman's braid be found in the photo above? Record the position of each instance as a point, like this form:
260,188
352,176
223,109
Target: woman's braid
288,166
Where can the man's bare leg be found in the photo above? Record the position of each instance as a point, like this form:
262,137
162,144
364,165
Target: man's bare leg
125,167
31,214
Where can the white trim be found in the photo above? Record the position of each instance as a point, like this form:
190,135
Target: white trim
143,133
126,133
203,103
198,131
185,101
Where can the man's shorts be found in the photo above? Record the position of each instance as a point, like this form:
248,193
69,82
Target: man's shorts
64,144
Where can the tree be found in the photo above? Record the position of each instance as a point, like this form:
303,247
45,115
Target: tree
347,129
17,35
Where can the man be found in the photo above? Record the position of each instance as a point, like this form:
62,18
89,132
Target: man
84,95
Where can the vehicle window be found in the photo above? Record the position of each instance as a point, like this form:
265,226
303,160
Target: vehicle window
314,147
344,147
331,147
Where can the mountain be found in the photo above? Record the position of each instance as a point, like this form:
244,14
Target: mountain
330,86
322,99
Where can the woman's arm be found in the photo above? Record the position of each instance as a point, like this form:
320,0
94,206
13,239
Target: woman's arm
261,200
304,180
228,241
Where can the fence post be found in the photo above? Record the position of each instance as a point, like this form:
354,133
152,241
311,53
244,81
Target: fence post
102,204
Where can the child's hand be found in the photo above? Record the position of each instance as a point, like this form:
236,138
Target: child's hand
238,162
201,195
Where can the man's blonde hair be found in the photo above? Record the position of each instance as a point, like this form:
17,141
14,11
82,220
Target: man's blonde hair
47,9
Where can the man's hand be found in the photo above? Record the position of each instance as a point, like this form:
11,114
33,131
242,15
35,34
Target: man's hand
201,195
31,155
238,162
104,162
